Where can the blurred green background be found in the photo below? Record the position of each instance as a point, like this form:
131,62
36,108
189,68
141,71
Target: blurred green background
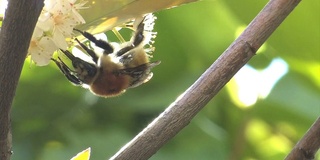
53,119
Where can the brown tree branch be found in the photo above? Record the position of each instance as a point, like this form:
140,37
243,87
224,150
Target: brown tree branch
186,106
309,144
17,28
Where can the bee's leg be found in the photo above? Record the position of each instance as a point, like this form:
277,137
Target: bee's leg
67,72
124,50
82,68
137,39
92,54
100,43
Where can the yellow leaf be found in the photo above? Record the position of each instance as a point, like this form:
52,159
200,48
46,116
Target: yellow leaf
84,155
104,15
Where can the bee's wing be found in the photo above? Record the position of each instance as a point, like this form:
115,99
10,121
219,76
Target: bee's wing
140,74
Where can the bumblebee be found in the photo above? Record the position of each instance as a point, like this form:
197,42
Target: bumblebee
118,68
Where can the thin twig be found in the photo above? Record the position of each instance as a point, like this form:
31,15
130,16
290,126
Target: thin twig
181,112
309,144
15,35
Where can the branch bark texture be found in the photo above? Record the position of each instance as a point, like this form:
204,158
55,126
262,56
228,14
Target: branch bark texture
309,144
17,28
187,105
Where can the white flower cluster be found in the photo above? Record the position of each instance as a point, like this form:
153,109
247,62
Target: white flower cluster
3,6
55,24
150,35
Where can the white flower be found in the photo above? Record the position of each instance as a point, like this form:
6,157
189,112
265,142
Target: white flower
75,8
3,7
55,24
41,48
148,29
